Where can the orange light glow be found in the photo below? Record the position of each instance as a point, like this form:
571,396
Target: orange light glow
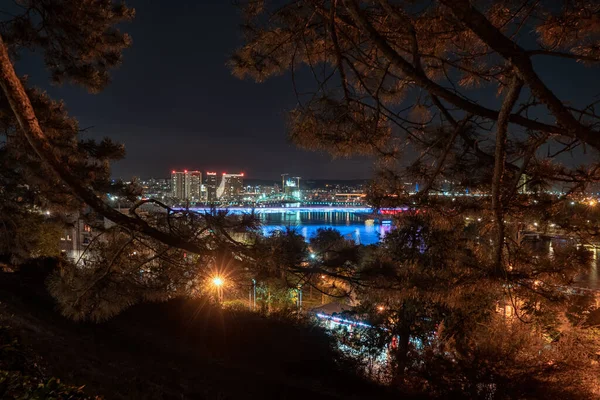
217,281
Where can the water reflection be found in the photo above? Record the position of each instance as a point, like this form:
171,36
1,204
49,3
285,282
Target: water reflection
351,226
589,278
354,227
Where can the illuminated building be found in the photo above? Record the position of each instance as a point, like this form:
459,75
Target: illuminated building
211,183
178,180
195,181
231,186
185,185
78,235
203,193
291,186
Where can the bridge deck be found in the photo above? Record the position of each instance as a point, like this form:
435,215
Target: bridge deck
279,210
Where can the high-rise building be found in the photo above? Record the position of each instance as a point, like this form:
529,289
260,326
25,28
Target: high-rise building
178,183
231,186
203,193
211,184
195,181
185,185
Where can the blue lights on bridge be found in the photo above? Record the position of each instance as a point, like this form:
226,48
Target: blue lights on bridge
284,210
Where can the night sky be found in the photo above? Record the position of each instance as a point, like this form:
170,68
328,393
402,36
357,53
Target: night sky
175,105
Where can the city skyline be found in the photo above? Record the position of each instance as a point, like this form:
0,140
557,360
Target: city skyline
198,110
274,177
230,124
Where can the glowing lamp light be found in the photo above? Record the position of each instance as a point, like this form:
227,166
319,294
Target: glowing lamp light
185,170
174,171
592,203
217,281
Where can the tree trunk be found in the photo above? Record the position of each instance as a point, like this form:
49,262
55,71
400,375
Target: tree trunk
403,344
500,159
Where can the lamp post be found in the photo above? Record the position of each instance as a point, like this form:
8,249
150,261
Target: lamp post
217,281
299,298
253,294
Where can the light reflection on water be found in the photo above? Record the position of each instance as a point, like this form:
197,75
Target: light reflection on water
354,227
587,279
349,225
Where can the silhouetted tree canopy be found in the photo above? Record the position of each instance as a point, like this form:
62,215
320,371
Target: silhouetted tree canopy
450,95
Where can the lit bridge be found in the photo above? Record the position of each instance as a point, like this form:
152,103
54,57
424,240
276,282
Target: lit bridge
295,210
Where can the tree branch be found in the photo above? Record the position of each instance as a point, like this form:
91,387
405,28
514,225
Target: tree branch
433,88
21,106
519,58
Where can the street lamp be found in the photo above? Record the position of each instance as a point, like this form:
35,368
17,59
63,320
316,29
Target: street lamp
252,296
217,281
299,297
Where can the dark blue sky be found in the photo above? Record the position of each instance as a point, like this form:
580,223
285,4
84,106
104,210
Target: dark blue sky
175,104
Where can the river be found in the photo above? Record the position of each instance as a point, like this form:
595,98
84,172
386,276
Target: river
354,227
350,225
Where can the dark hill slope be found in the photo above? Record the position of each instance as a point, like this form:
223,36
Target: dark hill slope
181,349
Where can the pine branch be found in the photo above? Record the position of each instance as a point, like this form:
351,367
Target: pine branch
21,106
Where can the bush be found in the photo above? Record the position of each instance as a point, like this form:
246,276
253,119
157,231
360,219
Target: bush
235,305
20,378
14,385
